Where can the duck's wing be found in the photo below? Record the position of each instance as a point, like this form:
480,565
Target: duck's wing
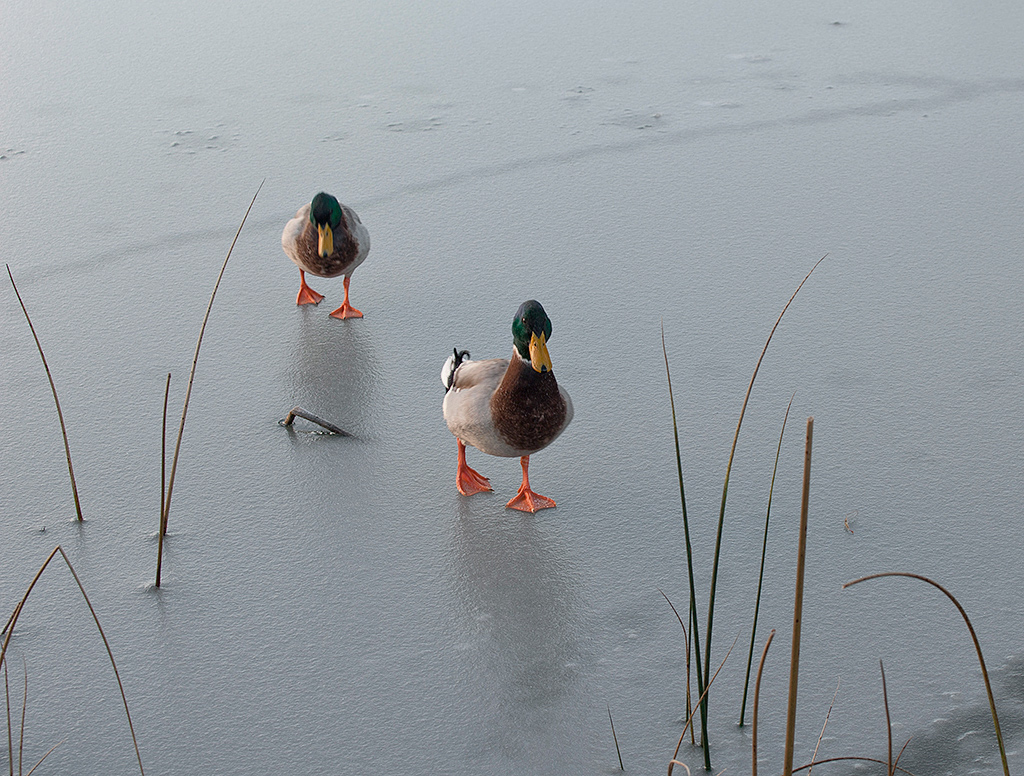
359,233
481,375
467,405
292,231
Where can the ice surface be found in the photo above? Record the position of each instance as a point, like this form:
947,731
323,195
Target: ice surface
331,605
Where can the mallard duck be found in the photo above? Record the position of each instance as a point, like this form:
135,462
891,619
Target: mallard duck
326,239
507,407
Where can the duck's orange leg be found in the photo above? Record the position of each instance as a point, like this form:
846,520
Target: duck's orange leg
467,480
346,310
525,499
306,294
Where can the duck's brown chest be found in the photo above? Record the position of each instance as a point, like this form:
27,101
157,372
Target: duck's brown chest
345,251
527,409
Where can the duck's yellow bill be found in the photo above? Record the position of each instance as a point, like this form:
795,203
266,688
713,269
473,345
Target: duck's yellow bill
539,358
326,240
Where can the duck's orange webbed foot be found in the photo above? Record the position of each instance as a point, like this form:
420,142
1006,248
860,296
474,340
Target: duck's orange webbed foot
525,499
528,501
306,294
467,480
346,310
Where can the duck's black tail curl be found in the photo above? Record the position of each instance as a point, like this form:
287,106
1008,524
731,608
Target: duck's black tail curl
453,362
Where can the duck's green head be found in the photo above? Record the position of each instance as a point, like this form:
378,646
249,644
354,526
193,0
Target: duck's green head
325,213
531,330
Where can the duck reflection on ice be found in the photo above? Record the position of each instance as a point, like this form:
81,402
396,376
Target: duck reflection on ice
335,371
520,596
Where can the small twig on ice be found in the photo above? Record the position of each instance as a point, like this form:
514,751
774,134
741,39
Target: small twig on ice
301,413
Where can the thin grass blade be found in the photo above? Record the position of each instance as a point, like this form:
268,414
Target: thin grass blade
689,720
764,553
53,390
888,719
41,759
163,488
728,472
686,639
110,654
702,679
757,698
824,725
615,738
195,361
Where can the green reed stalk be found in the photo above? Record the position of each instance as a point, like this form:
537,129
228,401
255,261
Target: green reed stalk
764,553
53,390
974,638
728,471
615,738
702,680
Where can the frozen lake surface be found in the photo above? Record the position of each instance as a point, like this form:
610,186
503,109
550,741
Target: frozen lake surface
332,605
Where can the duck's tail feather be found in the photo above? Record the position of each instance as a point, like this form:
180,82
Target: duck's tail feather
450,365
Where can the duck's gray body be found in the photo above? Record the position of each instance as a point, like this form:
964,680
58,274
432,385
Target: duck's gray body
503,406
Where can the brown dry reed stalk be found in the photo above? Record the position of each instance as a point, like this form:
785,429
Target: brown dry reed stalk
41,759
53,390
9,630
757,697
888,719
974,638
891,766
24,708
10,726
163,489
686,639
824,725
764,554
615,738
21,732
192,374
725,493
903,748
689,720
798,606
694,628
847,758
